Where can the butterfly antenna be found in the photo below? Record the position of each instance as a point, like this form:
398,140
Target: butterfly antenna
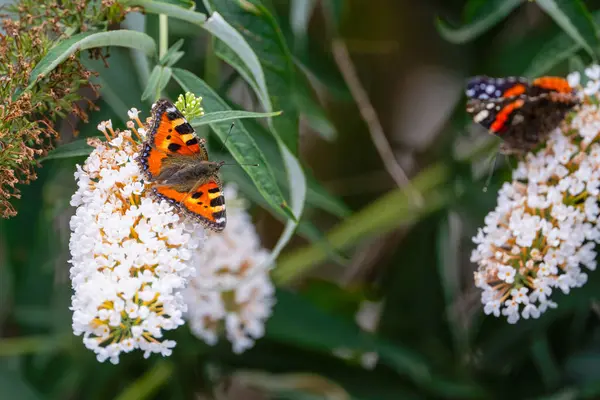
249,165
228,134
490,173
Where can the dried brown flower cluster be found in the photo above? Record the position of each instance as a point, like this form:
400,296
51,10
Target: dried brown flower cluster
30,29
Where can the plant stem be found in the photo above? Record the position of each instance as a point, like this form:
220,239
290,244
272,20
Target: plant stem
163,35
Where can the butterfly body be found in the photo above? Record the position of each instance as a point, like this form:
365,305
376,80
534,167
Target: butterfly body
520,112
177,164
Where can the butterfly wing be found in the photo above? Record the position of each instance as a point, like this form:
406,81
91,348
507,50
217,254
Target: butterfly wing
522,122
484,87
170,135
205,201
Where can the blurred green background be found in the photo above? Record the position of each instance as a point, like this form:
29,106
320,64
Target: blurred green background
398,254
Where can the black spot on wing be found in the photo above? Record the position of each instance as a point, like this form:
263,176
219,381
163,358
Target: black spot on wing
192,142
172,115
219,214
197,194
217,201
184,128
214,190
174,146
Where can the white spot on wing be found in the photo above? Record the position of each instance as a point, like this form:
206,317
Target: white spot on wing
481,115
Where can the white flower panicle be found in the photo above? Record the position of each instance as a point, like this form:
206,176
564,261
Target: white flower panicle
130,254
542,236
231,259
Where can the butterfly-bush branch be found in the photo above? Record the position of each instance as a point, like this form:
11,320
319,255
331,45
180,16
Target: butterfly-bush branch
27,121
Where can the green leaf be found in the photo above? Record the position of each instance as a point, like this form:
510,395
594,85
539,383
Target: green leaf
159,78
14,386
312,109
493,12
221,116
77,148
172,55
88,40
242,57
574,18
267,42
300,13
170,10
146,386
557,50
241,145
552,53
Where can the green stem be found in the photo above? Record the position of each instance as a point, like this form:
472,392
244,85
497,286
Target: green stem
163,35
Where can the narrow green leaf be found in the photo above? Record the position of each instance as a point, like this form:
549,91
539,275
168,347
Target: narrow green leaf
552,53
170,10
574,18
268,43
151,87
146,386
88,40
310,107
221,116
77,148
557,50
493,12
241,145
159,78
300,13
173,54
242,57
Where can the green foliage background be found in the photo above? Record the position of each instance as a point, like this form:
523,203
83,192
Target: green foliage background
356,235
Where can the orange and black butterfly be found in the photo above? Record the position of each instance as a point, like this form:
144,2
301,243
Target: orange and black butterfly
519,111
176,161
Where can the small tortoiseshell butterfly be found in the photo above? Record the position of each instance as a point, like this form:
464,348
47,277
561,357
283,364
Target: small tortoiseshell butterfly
520,112
177,162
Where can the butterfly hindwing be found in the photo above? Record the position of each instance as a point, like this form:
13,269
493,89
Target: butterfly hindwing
205,202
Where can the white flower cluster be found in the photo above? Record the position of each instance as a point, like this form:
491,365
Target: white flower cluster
543,233
231,259
130,255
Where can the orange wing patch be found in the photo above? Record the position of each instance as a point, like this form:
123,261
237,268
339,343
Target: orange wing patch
206,203
553,83
514,90
175,136
502,117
